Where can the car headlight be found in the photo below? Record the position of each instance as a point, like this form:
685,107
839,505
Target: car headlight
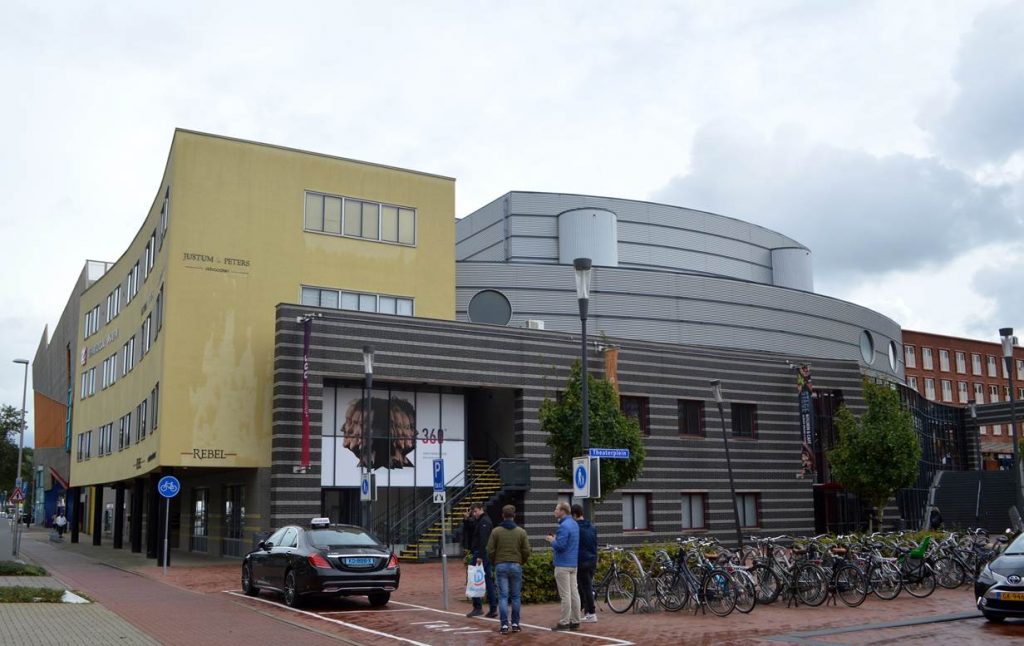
989,577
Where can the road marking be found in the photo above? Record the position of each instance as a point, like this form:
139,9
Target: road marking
328,619
613,641
346,612
807,637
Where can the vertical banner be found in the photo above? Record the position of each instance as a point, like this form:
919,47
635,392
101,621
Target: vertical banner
307,329
611,367
805,392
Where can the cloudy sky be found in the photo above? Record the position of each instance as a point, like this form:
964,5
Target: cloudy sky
886,136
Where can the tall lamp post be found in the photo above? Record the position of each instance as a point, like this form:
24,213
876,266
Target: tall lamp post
583,267
368,431
716,390
21,446
1007,334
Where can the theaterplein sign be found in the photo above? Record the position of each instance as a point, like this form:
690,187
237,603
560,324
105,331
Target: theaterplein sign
410,430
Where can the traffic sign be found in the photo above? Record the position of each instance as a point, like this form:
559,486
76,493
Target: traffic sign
18,495
168,486
440,497
365,487
612,454
438,475
581,477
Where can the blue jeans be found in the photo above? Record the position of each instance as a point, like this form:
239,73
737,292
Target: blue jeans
510,588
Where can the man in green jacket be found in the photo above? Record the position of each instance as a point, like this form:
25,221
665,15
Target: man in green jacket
509,549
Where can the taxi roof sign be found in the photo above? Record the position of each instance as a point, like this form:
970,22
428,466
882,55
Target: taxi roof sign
320,523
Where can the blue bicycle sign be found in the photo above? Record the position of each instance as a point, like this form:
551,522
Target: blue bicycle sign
168,486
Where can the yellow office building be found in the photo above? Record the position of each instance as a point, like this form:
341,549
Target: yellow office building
175,372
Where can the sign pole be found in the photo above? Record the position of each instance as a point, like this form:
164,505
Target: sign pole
444,557
167,529
168,487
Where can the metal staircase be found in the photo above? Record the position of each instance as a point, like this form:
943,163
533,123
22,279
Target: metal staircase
483,483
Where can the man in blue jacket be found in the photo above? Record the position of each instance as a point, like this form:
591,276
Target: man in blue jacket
588,564
566,545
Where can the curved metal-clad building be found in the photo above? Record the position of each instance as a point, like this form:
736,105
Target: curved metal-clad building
662,273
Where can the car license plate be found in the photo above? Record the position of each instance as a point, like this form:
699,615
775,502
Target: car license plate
359,562
1011,596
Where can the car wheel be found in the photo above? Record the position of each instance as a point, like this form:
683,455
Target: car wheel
247,585
996,619
379,598
291,595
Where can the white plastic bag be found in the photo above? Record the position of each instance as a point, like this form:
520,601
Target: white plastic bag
476,585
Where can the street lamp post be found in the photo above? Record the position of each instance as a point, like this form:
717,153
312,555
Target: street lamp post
21,447
1008,339
368,431
583,273
716,390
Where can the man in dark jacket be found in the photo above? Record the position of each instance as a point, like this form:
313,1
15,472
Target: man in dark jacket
481,534
588,564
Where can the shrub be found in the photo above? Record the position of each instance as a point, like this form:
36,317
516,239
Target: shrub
12,568
539,578
23,594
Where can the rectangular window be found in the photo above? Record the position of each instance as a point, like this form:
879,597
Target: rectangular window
976,364
147,341
961,363
1020,369
335,299
88,444
926,358
691,417
145,263
79,449
634,511
359,218
962,392
85,385
142,411
200,526
367,303
130,354
929,388
155,397
159,311
997,429
911,356
694,511
744,420
92,321
165,216
979,393
150,254
913,382
637,408
92,381
993,371
947,390
944,360
749,505
993,394
133,283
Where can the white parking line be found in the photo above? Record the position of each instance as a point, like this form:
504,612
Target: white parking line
613,641
333,621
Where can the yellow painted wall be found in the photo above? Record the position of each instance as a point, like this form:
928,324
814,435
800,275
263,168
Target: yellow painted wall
236,248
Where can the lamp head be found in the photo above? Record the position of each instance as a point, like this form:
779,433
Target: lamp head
1008,341
368,359
716,390
582,267
21,361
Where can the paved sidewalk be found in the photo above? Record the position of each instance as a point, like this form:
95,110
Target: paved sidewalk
131,608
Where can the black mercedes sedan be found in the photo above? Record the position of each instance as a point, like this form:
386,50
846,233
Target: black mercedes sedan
999,587
323,560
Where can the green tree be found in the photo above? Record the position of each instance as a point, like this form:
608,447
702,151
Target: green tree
10,424
878,453
563,422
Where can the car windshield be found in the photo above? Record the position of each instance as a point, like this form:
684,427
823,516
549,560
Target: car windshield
340,537
1016,548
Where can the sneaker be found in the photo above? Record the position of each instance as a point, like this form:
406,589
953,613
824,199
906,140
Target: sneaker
561,627
516,628
574,627
504,629
589,619
492,614
475,612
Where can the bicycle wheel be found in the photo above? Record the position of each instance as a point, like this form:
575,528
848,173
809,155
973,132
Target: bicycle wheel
886,581
621,593
719,592
810,585
949,573
851,585
671,590
920,581
746,591
768,584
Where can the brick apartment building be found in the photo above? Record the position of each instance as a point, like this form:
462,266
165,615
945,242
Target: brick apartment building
953,370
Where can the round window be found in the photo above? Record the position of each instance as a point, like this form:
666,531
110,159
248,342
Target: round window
490,306
867,347
894,356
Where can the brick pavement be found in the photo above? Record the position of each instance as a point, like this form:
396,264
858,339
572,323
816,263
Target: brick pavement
62,624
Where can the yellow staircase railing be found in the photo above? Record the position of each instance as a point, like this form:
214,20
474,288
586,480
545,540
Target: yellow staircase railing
484,482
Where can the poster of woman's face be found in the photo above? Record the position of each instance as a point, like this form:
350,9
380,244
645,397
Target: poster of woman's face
409,429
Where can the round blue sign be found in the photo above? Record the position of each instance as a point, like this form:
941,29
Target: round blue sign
168,486
581,477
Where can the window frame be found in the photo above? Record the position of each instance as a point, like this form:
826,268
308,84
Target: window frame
910,356
737,411
690,495
741,496
683,412
359,204
644,414
633,496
